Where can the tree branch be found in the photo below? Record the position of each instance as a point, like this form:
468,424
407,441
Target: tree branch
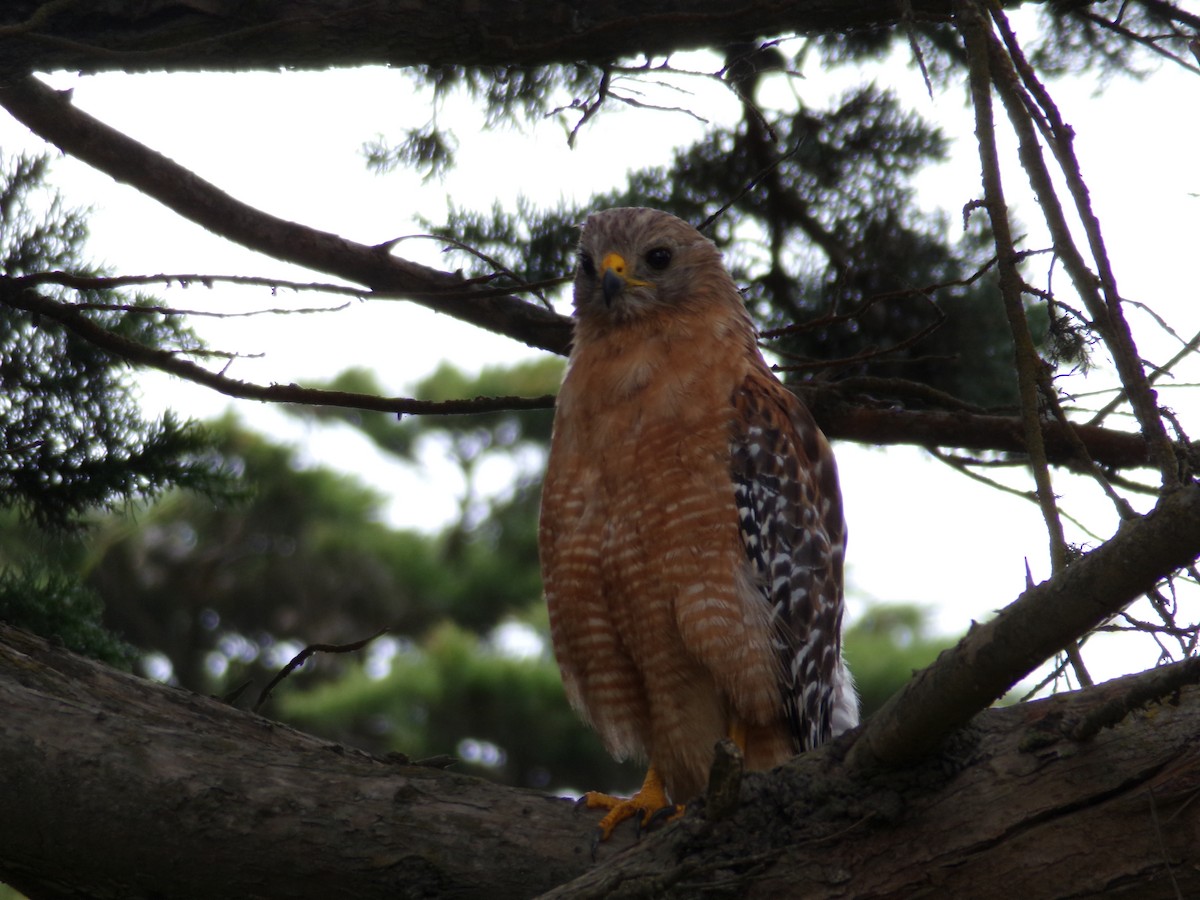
256,809
52,116
1099,292
843,416
311,34
993,657
973,27
79,324
96,761
839,416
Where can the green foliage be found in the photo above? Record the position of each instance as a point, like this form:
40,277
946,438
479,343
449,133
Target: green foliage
225,589
71,436
456,693
229,590
503,430
830,228
885,646
54,605
426,149
72,439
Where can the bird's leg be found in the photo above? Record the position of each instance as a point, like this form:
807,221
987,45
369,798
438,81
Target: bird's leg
650,800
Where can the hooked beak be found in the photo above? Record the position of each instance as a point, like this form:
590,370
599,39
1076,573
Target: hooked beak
612,277
611,284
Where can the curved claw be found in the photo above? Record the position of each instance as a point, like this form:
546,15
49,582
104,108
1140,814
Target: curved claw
660,816
650,805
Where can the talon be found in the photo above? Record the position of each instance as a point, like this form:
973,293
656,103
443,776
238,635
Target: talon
661,816
650,805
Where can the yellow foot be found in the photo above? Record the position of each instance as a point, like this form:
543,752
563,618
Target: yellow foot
650,802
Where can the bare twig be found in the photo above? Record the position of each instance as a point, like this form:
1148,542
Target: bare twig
1099,291
976,39
1159,371
300,658
75,321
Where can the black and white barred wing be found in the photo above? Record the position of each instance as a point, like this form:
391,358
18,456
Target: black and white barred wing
794,535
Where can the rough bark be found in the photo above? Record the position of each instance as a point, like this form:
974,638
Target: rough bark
113,786
183,35
117,787
996,655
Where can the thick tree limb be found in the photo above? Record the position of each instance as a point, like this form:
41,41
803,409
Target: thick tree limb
118,787
52,116
113,786
993,657
1012,809
220,35
846,417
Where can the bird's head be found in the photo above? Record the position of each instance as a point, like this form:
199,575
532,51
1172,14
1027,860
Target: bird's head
636,262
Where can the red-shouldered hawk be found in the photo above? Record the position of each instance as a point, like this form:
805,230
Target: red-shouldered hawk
691,532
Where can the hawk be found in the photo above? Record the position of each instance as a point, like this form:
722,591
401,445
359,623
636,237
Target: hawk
691,534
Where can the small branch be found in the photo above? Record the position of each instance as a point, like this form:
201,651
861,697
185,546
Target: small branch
1103,300
976,39
1131,35
590,109
872,352
838,418
112,282
1149,687
299,659
1185,351
166,361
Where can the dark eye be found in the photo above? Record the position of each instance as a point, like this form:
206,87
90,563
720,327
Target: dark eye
586,264
658,258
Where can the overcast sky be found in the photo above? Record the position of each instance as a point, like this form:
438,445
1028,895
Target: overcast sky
290,145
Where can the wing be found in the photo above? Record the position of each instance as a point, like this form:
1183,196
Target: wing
793,532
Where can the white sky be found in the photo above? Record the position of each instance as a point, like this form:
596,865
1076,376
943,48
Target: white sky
289,144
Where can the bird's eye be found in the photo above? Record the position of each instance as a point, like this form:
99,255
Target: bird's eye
658,258
586,264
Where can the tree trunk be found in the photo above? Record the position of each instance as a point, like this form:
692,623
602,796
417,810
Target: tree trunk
217,35
113,786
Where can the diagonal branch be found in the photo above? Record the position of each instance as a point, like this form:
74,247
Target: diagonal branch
976,34
79,324
52,116
1099,291
835,409
993,657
